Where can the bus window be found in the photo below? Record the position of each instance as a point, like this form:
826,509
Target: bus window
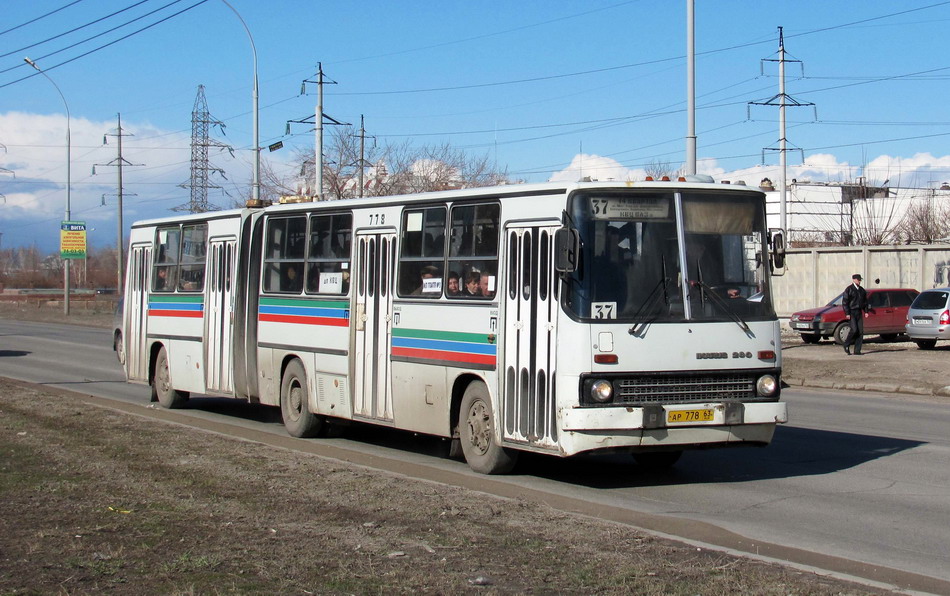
473,249
194,250
285,247
165,272
421,266
328,256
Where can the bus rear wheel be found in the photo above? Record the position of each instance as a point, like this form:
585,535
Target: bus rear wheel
477,434
162,390
294,404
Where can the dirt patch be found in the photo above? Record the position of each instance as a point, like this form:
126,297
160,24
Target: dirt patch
98,501
93,313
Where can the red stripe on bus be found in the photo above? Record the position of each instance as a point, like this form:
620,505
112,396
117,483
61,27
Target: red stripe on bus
326,321
189,314
447,356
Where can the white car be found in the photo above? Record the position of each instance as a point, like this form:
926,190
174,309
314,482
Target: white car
928,318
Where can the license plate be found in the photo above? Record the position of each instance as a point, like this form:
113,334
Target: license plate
802,326
922,321
690,416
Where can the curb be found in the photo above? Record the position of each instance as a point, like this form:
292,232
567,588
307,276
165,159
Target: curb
872,387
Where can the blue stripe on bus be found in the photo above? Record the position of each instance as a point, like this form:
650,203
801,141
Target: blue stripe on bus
445,346
303,311
175,306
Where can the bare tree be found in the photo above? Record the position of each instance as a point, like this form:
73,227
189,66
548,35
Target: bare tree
397,168
657,169
874,215
925,221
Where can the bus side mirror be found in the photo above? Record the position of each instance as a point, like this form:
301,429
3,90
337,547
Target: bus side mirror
777,242
566,248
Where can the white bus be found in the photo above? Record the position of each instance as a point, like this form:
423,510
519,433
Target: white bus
553,318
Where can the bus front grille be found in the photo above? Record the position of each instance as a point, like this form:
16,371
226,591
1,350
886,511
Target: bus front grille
679,388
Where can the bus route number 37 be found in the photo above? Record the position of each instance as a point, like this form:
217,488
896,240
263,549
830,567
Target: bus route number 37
603,310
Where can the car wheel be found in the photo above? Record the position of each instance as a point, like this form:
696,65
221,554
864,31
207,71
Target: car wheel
842,331
811,338
925,344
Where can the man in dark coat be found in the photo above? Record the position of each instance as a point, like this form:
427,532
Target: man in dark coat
855,303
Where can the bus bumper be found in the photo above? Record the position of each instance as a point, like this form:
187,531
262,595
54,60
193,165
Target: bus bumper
592,429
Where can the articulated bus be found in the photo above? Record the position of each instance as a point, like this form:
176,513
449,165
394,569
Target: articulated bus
552,318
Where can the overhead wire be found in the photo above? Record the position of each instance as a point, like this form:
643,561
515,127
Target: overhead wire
73,30
111,43
42,16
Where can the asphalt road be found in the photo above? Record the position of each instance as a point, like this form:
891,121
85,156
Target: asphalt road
855,483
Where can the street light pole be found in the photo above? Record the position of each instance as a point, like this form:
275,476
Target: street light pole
256,184
68,180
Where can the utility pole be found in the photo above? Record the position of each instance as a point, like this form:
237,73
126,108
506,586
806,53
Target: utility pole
118,162
318,119
362,162
783,100
690,88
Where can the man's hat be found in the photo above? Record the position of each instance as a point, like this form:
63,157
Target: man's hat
857,276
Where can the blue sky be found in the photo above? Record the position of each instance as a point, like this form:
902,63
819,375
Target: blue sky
549,90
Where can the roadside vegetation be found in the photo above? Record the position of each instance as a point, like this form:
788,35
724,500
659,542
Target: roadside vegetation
96,501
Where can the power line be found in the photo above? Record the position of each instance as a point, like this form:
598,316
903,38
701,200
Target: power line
123,38
43,16
73,30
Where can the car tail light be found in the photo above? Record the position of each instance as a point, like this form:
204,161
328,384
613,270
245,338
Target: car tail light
945,317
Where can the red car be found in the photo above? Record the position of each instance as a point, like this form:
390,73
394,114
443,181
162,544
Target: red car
887,316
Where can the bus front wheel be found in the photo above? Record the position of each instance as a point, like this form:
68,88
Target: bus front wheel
294,405
477,434
162,390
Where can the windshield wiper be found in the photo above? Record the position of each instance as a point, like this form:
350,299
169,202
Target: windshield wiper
719,301
650,304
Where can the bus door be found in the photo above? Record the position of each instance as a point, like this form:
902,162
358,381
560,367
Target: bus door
218,314
373,301
530,336
135,312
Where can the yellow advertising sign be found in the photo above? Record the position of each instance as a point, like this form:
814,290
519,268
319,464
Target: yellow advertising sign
72,240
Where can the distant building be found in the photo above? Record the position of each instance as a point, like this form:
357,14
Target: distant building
847,214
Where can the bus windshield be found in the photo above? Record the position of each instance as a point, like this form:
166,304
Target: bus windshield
644,258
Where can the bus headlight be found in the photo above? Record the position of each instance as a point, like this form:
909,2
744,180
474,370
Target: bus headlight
601,391
766,386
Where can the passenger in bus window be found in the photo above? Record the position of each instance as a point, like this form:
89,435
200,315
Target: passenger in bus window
292,281
471,283
453,289
161,278
428,272
486,285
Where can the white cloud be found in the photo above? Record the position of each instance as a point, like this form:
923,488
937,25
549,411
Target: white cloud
35,187
921,170
596,167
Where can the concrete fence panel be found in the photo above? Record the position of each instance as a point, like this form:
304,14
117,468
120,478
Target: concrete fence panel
814,276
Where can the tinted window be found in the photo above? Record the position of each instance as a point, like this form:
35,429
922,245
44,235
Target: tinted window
877,300
421,266
931,300
902,298
328,254
181,253
285,246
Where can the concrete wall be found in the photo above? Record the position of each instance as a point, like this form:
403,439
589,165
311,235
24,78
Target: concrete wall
813,276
